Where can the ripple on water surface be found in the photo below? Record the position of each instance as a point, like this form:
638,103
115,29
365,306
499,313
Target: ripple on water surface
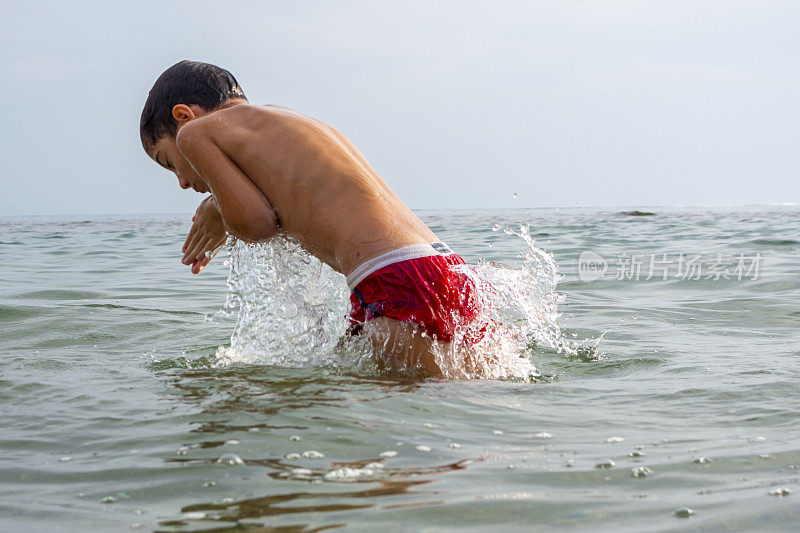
117,413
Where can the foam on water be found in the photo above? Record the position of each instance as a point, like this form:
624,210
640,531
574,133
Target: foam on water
292,311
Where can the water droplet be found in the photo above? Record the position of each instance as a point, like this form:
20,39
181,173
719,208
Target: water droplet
346,474
779,492
641,471
684,512
313,454
230,459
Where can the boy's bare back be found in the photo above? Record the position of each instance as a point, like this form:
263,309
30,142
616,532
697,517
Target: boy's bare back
323,191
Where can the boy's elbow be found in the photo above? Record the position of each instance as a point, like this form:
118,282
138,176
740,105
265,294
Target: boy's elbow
267,224
254,231
250,234
263,233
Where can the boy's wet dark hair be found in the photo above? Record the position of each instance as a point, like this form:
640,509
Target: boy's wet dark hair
186,82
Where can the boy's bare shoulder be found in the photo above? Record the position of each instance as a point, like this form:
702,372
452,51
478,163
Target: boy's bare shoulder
238,118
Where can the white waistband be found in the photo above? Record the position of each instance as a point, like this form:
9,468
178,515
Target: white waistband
412,251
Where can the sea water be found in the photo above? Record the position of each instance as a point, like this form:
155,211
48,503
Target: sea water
649,381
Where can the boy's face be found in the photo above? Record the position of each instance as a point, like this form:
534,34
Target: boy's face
165,151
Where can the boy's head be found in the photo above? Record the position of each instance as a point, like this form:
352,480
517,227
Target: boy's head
186,82
187,87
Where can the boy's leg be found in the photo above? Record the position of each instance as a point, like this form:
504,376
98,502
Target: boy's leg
400,345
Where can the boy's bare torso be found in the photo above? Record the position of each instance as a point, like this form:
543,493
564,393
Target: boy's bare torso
323,191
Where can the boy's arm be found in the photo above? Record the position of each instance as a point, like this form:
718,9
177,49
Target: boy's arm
247,213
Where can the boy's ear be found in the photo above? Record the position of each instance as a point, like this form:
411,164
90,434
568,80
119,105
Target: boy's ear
182,114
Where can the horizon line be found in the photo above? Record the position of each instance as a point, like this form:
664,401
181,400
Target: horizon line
572,207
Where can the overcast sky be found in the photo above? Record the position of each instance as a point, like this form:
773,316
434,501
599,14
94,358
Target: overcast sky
457,104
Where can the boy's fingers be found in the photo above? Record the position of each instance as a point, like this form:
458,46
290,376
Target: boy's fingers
210,249
189,237
195,233
198,266
188,254
211,253
217,245
206,247
196,251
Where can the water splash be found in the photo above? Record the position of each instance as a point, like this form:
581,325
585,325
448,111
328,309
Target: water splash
291,307
292,311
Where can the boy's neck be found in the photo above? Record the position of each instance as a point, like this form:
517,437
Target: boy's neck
231,103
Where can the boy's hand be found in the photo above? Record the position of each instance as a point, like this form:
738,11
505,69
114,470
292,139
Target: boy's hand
207,234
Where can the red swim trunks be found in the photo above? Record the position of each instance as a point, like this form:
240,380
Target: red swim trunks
416,283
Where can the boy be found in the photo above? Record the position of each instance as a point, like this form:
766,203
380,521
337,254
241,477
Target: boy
271,169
